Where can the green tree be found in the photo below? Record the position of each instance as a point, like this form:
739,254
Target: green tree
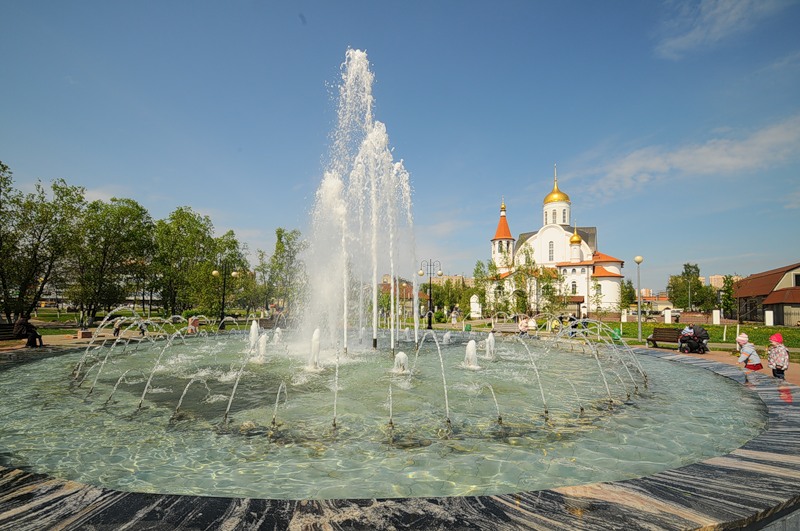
627,295
596,299
185,255
525,278
552,293
110,252
286,280
686,291
231,280
727,300
35,233
481,275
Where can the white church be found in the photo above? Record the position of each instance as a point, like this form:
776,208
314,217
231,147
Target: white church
588,280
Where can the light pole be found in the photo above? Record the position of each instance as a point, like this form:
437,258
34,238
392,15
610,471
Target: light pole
638,260
690,294
224,274
430,266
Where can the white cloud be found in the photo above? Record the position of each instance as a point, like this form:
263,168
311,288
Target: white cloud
791,60
708,22
791,201
767,147
106,193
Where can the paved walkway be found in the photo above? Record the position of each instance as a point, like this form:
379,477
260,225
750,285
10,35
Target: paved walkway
792,375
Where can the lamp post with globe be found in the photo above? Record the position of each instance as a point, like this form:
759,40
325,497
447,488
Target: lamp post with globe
430,266
224,275
638,260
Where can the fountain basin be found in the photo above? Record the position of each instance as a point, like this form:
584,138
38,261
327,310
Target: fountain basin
756,482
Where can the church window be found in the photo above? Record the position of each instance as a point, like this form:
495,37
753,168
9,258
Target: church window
554,215
574,271
574,287
545,217
599,289
550,251
564,216
583,270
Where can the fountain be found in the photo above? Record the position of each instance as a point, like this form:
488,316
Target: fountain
316,413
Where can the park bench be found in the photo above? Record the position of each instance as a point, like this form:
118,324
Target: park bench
664,335
506,328
7,331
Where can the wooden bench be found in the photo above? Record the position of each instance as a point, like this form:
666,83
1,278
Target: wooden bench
665,335
7,331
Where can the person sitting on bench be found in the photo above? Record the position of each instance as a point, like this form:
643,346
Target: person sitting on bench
25,330
688,342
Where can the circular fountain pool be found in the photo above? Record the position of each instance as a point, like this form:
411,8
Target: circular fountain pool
444,438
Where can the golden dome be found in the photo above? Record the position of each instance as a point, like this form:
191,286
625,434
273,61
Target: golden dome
575,238
556,195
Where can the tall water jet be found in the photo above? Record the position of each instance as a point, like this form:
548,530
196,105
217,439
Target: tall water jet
362,221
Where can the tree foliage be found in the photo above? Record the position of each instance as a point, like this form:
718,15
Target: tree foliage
35,233
185,256
627,296
286,273
110,251
727,300
687,292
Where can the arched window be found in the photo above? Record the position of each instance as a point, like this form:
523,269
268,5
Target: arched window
599,289
545,217
574,287
564,216
574,271
550,251
583,270
554,216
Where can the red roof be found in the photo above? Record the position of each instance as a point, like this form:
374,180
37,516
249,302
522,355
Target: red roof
502,232
761,284
784,296
600,257
596,258
600,271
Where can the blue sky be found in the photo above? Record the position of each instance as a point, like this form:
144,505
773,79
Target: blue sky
675,125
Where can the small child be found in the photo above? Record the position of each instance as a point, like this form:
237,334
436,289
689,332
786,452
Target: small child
748,356
777,356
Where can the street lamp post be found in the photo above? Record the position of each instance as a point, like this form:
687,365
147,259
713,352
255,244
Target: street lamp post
430,266
638,260
224,274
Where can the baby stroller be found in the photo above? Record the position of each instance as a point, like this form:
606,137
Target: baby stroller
702,338
693,339
689,343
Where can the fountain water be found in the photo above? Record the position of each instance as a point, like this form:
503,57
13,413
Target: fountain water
362,221
234,425
471,355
